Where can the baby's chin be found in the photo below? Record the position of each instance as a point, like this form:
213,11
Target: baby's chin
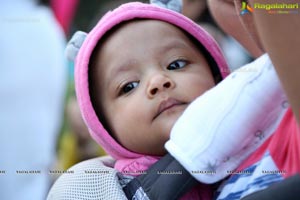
170,122
167,129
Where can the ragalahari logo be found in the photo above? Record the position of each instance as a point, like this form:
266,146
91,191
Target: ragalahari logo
246,8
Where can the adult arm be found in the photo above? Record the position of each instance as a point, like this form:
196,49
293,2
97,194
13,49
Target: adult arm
279,34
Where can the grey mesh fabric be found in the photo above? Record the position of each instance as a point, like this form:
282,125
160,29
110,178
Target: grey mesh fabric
90,180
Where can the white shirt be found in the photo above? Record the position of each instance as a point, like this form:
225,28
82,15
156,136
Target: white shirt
32,92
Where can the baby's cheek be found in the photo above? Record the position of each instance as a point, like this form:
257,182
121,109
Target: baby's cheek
170,125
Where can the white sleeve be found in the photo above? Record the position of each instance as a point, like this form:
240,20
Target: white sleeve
225,125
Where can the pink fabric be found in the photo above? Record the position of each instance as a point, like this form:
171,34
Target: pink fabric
135,166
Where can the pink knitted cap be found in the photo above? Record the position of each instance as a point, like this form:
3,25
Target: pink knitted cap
124,13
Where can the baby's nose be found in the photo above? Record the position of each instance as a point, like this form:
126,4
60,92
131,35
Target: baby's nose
159,83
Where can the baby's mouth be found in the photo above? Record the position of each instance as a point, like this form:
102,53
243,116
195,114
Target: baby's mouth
166,105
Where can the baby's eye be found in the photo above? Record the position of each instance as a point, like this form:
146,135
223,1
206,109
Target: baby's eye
178,64
128,87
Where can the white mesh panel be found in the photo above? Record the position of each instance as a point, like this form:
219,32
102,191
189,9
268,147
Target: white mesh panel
90,180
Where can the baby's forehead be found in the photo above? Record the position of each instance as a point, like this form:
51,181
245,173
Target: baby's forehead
138,32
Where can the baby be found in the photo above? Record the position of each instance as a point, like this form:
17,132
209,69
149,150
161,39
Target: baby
136,77
136,72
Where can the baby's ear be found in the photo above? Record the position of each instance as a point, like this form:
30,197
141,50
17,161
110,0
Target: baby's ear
74,45
175,5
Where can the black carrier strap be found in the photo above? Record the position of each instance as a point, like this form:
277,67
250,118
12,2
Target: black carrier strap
166,179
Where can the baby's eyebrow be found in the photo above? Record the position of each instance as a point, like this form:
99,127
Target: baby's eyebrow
121,69
173,45
127,66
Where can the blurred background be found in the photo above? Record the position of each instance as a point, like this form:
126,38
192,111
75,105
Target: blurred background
40,123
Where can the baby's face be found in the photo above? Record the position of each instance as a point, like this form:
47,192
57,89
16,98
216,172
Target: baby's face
147,73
